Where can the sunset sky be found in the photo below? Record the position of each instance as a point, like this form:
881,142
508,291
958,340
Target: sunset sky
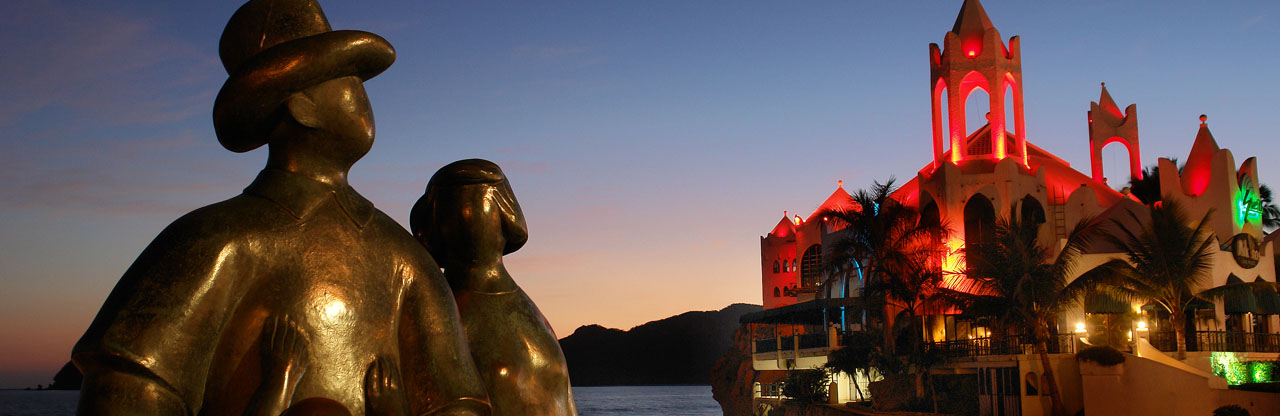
650,143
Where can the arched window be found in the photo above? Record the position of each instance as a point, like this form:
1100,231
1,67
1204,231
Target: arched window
793,265
930,216
1032,212
979,225
810,264
775,266
776,292
1033,384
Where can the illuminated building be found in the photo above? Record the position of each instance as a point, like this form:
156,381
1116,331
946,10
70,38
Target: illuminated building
992,171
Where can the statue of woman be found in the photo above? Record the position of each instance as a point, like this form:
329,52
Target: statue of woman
468,219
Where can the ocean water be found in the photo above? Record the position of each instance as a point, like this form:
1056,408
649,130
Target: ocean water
591,401
646,401
38,403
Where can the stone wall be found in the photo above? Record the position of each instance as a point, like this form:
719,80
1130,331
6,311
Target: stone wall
1141,386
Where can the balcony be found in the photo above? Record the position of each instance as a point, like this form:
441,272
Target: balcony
1222,341
1013,344
806,341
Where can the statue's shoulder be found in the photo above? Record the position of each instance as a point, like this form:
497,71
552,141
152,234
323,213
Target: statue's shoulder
392,230
397,240
242,216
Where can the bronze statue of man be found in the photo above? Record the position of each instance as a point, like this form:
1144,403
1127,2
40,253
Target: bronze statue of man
297,294
469,219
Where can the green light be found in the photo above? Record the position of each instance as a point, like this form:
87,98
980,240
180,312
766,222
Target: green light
1260,371
1225,365
1248,205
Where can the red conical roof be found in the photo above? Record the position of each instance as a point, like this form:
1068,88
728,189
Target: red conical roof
972,21
784,228
838,201
1199,167
1108,104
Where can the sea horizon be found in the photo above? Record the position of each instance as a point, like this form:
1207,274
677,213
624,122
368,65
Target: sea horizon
655,400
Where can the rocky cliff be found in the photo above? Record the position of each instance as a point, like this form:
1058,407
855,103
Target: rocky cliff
732,376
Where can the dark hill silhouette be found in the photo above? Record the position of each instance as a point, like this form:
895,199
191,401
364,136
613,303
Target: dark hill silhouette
675,350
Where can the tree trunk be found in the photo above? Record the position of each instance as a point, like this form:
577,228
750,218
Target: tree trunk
1050,381
920,374
933,392
1179,320
857,389
887,324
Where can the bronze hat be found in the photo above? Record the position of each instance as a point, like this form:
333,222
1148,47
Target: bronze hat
275,48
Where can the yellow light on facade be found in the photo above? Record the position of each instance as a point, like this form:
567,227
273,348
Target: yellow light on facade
1080,328
1142,325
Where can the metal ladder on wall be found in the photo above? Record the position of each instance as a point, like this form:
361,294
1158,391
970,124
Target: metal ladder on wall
1058,204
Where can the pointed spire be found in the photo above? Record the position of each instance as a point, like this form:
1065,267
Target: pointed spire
972,21
1198,169
785,227
838,201
1109,104
1205,145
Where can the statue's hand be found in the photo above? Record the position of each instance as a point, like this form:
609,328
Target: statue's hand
382,395
284,352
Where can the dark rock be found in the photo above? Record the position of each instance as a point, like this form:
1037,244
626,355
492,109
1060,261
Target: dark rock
68,378
676,350
732,376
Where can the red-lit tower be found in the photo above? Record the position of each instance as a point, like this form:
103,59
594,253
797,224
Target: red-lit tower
1108,125
973,56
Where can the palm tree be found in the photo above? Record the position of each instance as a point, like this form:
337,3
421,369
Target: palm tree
1270,213
892,246
1147,189
1018,282
1166,260
859,354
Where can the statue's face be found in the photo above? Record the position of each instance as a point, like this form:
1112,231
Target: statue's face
345,113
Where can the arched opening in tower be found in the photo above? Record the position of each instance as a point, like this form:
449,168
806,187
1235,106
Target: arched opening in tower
941,121
977,108
1115,164
1011,146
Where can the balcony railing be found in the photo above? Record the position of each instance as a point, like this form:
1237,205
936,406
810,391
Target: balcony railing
813,341
1224,341
807,341
1014,344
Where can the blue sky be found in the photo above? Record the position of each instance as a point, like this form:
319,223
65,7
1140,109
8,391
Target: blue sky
649,143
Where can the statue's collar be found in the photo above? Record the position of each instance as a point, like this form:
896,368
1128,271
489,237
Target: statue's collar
300,196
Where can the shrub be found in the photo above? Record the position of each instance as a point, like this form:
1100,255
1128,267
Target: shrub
806,386
1103,355
1230,410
